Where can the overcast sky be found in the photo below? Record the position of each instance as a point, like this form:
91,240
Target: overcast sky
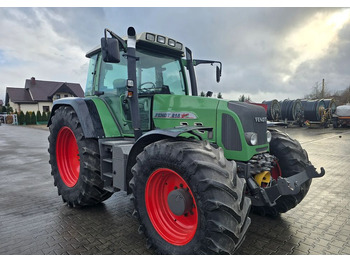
267,53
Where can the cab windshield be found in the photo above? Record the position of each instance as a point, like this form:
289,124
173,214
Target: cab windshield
156,74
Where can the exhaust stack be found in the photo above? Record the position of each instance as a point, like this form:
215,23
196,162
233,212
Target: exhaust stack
132,82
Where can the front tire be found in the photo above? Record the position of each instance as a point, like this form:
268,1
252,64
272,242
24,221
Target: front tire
75,161
217,217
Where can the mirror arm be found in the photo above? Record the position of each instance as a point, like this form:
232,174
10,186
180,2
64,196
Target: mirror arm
116,37
198,62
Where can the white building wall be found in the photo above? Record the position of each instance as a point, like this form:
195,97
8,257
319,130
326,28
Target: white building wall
14,106
28,107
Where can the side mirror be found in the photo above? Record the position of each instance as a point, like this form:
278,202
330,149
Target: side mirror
110,50
218,74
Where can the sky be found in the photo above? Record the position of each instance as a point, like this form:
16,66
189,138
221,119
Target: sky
267,52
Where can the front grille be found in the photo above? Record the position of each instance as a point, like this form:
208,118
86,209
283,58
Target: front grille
248,113
230,134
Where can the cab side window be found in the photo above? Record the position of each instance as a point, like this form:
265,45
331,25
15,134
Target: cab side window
113,77
89,89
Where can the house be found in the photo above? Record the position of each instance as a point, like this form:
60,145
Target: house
1,103
38,95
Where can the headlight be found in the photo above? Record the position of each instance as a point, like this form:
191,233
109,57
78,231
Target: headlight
150,37
161,39
269,136
172,42
178,45
251,138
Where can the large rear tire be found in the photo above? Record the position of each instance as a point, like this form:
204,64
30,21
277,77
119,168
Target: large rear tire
292,159
216,217
75,161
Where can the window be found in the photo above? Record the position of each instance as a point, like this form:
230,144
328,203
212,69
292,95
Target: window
113,77
155,73
58,96
159,74
89,89
46,109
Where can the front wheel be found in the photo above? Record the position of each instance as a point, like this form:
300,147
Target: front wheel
189,199
75,161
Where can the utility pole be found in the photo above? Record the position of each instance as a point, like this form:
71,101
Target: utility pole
322,92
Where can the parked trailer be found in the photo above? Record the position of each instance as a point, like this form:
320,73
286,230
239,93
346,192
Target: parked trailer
292,112
273,110
341,118
315,113
330,105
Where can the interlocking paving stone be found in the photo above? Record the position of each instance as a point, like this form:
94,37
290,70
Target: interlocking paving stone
34,220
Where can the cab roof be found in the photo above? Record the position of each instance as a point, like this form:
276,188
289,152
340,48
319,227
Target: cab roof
151,41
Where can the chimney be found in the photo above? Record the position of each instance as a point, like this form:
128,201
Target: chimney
32,81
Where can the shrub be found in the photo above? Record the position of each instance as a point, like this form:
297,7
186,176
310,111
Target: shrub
44,117
9,110
38,116
21,118
27,118
32,119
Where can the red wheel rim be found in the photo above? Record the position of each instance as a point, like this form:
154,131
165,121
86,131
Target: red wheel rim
176,230
67,155
276,171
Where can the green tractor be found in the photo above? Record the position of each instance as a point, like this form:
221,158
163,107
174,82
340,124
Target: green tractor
194,165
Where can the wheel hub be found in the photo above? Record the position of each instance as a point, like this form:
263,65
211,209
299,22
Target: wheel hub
67,155
171,206
180,201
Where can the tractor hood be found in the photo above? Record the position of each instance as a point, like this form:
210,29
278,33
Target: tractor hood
232,122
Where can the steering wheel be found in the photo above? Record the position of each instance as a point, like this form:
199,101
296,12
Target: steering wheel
148,83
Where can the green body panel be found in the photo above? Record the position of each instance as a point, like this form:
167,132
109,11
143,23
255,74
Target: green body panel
176,110
170,111
109,125
247,151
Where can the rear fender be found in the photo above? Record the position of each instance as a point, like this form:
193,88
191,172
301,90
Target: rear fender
87,114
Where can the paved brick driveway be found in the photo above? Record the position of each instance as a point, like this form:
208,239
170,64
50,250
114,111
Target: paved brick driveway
33,219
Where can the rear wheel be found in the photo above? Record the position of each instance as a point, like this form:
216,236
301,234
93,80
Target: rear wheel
75,161
189,199
292,159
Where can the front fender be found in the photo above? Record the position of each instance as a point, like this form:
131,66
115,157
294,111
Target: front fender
156,135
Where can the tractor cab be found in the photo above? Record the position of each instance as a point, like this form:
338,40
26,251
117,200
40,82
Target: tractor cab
160,69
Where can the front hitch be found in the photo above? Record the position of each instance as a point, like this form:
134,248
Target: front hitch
284,186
